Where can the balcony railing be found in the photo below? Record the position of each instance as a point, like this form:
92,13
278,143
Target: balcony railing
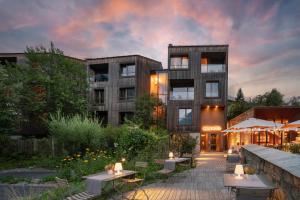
212,68
181,96
101,77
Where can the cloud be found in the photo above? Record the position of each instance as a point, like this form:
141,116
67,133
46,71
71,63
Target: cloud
263,36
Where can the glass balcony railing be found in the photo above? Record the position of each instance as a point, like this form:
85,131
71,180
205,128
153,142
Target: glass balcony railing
101,77
181,96
212,68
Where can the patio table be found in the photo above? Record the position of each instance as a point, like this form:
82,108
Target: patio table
171,163
248,181
94,182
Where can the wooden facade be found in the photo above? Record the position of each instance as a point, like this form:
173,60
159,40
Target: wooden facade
112,105
200,101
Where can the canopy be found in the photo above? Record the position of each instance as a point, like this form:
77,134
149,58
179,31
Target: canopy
256,123
295,124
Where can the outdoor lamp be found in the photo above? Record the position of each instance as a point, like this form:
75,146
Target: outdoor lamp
229,151
123,160
239,170
118,168
171,155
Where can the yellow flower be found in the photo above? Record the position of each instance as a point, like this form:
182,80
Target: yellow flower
87,149
86,161
65,159
78,155
94,158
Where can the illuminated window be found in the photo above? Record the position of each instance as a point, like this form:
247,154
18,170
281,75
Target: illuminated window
213,62
185,116
127,70
212,89
179,63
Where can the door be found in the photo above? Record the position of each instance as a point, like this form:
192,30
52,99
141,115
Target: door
213,142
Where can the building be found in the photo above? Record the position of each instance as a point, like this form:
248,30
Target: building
115,83
279,114
12,58
197,93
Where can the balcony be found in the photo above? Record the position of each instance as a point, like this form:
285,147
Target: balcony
212,68
182,94
100,77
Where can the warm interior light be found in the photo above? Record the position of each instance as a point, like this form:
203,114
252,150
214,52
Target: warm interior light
171,155
239,170
207,106
216,106
118,168
229,151
212,128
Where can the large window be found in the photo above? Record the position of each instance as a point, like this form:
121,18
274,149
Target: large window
179,62
125,115
185,116
182,93
99,96
127,93
212,89
213,62
127,70
100,72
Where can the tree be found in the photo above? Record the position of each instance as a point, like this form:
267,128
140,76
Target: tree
294,101
272,98
239,106
240,95
9,99
46,83
145,115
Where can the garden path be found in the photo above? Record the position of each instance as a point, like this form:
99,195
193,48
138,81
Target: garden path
205,182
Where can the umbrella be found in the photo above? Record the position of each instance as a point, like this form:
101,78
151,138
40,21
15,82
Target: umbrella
295,124
256,123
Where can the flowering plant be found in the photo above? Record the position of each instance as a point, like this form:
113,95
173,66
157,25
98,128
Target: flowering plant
109,167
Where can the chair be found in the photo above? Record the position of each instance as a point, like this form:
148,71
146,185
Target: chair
191,157
138,182
253,194
231,161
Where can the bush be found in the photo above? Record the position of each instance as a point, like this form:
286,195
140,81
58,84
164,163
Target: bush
76,132
183,143
295,148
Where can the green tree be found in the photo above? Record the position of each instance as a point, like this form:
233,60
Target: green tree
240,95
272,98
239,106
145,115
9,99
294,101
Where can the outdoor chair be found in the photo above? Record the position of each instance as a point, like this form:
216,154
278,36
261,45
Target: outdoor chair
231,161
138,182
253,194
187,155
79,196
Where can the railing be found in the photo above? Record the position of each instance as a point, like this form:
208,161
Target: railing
212,68
182,96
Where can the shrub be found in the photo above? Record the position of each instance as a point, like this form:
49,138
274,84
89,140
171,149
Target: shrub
76,132
183,143
295,148
133,140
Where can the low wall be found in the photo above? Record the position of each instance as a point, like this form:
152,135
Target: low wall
280,167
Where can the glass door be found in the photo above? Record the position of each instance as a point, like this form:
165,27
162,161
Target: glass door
213,142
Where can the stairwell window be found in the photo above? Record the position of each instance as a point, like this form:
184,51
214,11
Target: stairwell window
212,89
185,116
99,96
179,62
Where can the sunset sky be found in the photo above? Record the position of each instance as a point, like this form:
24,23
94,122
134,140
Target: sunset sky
263,36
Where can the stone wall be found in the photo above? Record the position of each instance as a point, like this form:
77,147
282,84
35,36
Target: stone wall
287,183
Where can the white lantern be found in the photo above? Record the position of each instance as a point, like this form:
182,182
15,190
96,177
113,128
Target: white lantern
118,168
239,170
171,155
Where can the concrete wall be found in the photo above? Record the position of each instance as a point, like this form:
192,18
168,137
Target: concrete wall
288,183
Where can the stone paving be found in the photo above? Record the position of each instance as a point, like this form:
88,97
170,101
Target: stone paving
205,182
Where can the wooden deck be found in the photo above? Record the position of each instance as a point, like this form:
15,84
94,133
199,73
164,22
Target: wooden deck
205,182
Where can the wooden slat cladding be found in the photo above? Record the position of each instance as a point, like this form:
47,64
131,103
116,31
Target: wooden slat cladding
141,83
194,73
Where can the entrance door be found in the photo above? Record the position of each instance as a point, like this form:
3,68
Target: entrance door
213,142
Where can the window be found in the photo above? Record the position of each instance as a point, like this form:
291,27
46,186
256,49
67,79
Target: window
213,62
127,70
102,117
185,116
125,115
127,93
212,89
182,93
8,60
100,72
99,96
179,62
